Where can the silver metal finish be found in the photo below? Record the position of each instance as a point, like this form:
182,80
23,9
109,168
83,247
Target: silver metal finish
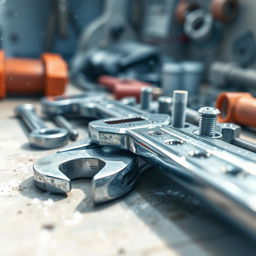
146,98
179,106
69,105
117,171
113,172
92,105
61,121
40,136
164,104
199,25
208,120
220,173
231,132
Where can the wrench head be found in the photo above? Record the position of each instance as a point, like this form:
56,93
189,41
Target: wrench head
48,138
113,172
115,131
65,105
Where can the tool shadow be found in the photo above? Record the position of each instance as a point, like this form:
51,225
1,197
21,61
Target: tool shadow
183,221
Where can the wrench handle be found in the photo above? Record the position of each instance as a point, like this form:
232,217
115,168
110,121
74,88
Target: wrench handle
27,113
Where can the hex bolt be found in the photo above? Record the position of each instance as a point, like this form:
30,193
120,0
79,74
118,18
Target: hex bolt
179,106
61,121
231,132
146,98
207,121
164,104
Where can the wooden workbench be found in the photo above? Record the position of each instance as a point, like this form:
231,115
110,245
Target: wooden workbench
157,218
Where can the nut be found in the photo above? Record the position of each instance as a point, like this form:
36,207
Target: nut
229,131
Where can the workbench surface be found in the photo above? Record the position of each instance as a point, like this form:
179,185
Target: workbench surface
157,218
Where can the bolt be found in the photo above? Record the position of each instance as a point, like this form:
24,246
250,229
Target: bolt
231,132
208,120
179,106
145,98
164,104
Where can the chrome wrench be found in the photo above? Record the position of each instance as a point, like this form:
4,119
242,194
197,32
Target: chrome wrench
40,136
110,182
113,172
222,174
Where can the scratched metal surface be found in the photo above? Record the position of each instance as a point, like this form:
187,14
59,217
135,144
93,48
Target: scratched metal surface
158,218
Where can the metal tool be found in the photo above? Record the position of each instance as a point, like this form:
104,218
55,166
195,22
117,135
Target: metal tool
220,173
113,172
61,121
231,133
40,136
117,171
92,105
70,105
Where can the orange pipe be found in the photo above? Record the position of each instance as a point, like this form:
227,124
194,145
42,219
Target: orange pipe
237,108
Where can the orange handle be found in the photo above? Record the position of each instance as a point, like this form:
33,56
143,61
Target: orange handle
24,76
237,107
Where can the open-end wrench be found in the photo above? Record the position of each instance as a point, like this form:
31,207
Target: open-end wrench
48,172
222,174
69,105
114,172
40,136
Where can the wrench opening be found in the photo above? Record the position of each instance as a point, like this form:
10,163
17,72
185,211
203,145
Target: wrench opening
81,167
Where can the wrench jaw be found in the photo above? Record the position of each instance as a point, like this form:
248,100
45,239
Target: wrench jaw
109,184
113,172
62,105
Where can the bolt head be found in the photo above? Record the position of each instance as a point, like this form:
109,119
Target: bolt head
209,111
229,131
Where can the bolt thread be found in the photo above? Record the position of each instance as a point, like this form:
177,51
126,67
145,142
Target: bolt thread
207,125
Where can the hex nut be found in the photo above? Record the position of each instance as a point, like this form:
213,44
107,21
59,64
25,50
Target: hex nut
229,131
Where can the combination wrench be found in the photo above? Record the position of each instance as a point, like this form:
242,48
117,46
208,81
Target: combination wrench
114,172
40,136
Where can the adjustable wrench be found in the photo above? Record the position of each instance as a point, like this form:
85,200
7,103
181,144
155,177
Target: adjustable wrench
222,174
113,172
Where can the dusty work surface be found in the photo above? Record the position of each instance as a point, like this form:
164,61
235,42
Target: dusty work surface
157,218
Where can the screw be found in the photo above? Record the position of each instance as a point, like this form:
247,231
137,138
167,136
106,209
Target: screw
179,106
145,98
164,104
208,120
